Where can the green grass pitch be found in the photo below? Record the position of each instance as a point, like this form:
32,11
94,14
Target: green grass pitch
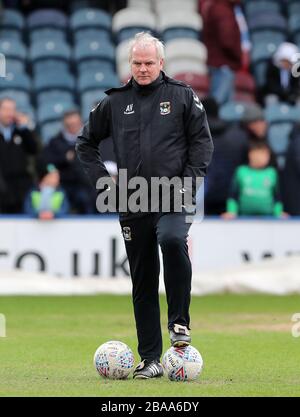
246,343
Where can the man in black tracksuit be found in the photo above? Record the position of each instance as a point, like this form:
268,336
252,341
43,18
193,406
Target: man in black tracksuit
159,128
60,152
18,142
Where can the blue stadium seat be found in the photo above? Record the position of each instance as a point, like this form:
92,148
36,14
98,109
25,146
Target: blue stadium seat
47,34
128,33
89,18
294,9
49,130
12,48
54,95
296,111
14,65
294,24
52,50
53,111
87,34
12,19
178,23
87,49
280,112
95,65
27,109
88,101
49,65
174,33
18,81
128,21
79,4
51,18
97,80
278,137
233,111
261,6
58,80
281,118
296,39
268,36
44,49
267,21
14,34
22,98
260,55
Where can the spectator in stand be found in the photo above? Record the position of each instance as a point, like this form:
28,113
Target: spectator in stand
291,175
253,122
255,186
61,152
281,85
230,151
254,127
17,142
48,200
222,37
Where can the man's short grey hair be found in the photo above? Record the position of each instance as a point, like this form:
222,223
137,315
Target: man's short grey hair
145,39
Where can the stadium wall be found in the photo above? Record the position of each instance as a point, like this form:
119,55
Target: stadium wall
238,256
94,247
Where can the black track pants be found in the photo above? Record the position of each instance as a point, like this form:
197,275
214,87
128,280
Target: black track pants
142,237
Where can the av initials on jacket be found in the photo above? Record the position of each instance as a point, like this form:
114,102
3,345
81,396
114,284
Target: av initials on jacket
129,109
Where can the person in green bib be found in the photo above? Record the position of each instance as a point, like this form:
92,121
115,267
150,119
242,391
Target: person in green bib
255,186
48,200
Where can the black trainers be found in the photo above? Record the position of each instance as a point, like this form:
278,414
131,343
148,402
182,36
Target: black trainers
180,336
148,369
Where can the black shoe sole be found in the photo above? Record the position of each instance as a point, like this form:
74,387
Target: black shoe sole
180,343
146,377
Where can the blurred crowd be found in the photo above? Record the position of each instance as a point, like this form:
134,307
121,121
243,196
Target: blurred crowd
243,178
44,181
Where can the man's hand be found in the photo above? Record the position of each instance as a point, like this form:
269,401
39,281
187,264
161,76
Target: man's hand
228,216
70,155
46,215
22,119
284,215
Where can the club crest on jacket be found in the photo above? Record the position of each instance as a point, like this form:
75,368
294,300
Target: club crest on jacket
165,108
127,233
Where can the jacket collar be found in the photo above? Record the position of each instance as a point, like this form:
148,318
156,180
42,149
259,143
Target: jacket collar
144,89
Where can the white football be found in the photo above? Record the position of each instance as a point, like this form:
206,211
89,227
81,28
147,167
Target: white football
114,360
182,364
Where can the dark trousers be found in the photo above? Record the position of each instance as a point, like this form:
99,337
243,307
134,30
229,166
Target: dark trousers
142,237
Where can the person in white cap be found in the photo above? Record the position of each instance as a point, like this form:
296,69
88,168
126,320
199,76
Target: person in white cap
281,85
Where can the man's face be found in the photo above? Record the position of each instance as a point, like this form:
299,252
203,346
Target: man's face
51,180
259,158
73,124
7,112
258,128
285,64
145,65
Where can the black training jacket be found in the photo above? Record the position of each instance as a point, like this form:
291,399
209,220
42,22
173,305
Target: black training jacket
157,130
